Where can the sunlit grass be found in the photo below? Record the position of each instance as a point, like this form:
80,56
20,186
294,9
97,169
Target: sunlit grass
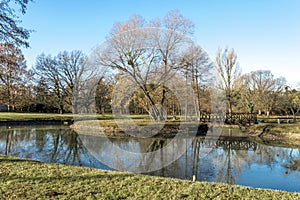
15,116
26,179
277,128
12,116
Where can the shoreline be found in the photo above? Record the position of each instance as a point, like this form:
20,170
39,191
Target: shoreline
269,138
276,134
263,133
167,131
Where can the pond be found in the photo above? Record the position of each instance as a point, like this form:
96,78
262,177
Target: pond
233,160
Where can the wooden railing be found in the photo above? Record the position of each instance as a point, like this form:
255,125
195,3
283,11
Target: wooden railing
233,118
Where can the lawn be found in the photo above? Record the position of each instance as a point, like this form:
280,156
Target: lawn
270,126
277,128
285,135
14,116
27,179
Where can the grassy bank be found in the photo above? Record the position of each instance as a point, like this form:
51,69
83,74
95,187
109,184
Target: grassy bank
10,116
26,179
277,128
166,129
287,135
277,131
13,116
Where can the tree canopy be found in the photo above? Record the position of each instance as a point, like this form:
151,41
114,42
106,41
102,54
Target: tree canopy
10,30
14,78
148,56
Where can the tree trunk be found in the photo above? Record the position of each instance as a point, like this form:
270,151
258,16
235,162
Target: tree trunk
294,116
157,114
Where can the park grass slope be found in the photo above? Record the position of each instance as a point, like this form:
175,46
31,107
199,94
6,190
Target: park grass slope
287,134
9,116
27,179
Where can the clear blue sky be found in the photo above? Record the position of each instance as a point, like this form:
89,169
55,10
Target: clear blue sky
264,33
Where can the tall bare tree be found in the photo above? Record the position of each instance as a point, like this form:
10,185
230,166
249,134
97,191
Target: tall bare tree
13,75
46,67
69,79
293,101
141,53
71,67
229,72
263,90
247,101
197,66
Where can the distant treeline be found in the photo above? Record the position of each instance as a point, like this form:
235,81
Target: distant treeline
141,70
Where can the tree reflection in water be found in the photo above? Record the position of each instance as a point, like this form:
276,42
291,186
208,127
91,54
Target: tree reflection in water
56,144
293,164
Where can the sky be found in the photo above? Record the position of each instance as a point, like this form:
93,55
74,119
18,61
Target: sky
264,33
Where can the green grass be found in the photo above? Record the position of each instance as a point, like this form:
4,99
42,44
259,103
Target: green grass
26,179
277,128
284,135
13,116
10,116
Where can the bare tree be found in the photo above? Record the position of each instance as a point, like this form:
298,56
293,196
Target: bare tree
265,90
293,101
229,72
70,78
14,78
142,54
71,67
247,94
10,31
46,67
196,65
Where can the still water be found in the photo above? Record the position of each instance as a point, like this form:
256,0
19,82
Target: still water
234,161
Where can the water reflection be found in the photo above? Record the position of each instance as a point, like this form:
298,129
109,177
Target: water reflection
56,144
234,161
